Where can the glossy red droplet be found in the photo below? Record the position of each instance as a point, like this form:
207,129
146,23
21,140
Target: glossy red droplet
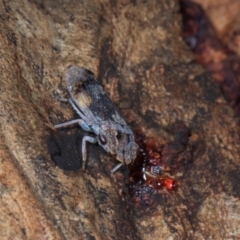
158,183
148,174
170,183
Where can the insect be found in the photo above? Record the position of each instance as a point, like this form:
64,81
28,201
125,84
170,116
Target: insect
98,115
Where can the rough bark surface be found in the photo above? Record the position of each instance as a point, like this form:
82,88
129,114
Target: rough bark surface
136,51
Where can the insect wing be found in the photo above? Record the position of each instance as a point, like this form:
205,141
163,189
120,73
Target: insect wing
89,96
76,79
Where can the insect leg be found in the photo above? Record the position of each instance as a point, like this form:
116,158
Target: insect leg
81,122
84,148
116,168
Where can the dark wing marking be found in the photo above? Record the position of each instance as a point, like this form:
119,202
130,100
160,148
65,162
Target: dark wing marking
101,105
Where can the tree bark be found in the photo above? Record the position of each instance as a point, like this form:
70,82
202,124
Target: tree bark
136,51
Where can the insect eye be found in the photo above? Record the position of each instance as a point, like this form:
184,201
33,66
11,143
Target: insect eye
119,135
102,139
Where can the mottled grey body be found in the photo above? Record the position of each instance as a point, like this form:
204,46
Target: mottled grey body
99,115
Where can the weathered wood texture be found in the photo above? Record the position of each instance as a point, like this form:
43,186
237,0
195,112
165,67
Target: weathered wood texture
135,49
